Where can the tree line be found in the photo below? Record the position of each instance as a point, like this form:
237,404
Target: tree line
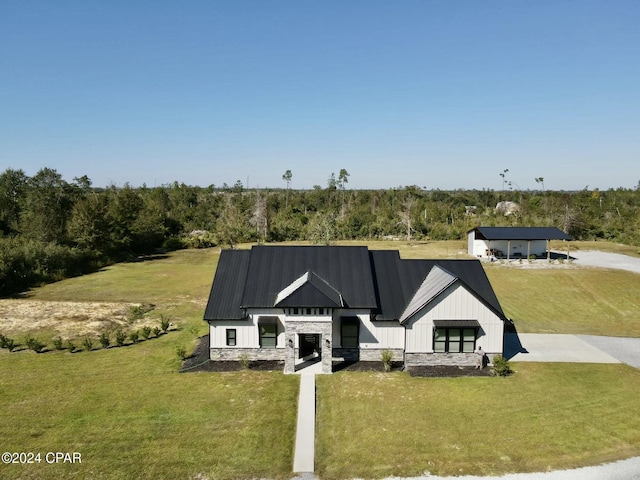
51,228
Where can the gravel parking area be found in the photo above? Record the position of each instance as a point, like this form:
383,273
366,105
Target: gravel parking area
593,258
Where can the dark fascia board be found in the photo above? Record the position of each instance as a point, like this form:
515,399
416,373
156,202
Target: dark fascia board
520,233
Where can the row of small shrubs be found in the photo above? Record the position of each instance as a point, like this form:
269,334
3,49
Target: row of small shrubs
119,339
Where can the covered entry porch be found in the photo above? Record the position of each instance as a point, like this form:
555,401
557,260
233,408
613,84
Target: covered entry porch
307,342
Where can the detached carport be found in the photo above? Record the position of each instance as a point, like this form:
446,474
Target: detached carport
513,242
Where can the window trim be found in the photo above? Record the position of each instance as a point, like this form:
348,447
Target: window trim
269,323
233,337
460,339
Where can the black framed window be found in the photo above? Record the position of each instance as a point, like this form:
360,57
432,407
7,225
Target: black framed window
454,340
268,334
231,337
350,332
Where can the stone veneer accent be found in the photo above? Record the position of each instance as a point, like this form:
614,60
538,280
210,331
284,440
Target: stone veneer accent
293,328
366,354
457,359
250,353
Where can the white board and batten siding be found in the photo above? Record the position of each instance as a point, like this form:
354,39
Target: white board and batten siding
372,334
247,332
455,303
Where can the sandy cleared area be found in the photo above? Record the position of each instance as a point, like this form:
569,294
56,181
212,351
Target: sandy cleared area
66,319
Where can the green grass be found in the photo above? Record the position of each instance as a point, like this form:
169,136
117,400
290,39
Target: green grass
546,416
576,300
127,410
132,416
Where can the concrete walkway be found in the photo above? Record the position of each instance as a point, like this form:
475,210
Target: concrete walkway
304,453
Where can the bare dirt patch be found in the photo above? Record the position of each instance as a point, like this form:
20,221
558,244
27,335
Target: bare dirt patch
66,319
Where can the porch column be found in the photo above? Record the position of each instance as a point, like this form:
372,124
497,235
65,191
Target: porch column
289,349
327,350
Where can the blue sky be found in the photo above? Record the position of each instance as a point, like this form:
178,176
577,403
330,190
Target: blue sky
439,94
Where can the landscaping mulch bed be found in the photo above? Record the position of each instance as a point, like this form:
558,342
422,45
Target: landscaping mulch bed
448,371
199,362
362,366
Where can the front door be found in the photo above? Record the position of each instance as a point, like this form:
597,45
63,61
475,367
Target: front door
309,343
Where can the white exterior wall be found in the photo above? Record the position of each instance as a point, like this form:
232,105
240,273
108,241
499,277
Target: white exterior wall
455,303
536,247
247,333
372,334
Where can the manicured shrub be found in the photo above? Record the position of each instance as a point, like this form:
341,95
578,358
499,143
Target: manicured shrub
165,323
71,347
386,357
146,332
181,352
121,337
134,336
156,331
58,344
8,343
104,340
87,343
244,361
136,312
501,367
34,344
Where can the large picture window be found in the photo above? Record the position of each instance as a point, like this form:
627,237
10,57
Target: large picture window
454,340
349,332
268,334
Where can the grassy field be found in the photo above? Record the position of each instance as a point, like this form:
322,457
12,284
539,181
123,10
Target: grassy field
127,410
132,416
546,416
573,300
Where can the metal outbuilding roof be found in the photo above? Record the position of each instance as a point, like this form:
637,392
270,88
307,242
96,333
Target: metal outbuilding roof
520,233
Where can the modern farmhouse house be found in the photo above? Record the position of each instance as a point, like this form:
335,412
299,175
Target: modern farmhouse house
334,303
512,242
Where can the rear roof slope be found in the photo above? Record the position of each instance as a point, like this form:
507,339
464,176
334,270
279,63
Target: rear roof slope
345,269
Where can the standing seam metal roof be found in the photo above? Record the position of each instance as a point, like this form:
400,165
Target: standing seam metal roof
378,279
520,233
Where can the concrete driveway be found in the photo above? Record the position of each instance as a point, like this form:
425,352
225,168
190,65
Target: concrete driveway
534,347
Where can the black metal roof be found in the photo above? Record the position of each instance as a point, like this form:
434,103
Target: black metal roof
399,280
225,299
520,233
378,280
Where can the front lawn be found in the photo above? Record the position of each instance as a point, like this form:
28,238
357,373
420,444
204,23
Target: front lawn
546,416
131,415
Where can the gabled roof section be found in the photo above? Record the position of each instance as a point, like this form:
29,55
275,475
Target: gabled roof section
273,268
309,291
434,284
225,299
336,276
398,281
520,233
